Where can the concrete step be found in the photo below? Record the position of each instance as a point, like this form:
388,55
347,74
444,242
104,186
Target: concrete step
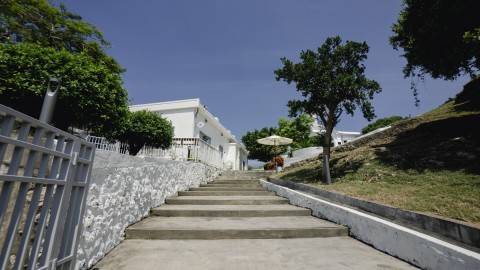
242,176
233,228
226,193
239,178
236,182
227,200
231,188
230,210
257,185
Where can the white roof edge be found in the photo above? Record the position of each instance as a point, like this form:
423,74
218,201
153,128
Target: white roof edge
350,132
168,105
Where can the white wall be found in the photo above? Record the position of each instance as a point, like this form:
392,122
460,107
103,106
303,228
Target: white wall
243,160
123,189
218,136
182,120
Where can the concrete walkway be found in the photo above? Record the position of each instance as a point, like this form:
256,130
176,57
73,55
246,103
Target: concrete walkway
233,223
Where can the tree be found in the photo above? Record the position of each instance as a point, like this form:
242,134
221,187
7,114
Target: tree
91,96
331,80
145,128
39,41
439,37
298,129
382,122
259,151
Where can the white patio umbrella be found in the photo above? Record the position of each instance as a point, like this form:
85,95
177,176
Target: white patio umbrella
275,141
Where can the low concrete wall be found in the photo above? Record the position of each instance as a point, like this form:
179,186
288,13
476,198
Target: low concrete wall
123,189
449,228
416,248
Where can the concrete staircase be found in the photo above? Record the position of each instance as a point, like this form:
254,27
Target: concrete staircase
234,206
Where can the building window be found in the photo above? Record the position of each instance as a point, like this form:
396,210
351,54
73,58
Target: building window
205,138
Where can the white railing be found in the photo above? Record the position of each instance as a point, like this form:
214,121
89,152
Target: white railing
185,149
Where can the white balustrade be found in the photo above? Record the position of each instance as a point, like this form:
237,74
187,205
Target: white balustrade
186,149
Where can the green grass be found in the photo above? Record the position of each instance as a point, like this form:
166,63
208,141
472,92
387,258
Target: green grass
444,193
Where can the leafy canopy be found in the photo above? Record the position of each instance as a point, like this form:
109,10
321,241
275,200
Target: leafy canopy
39,22
332,81
145,128
382,122
439,37
91,97
299,130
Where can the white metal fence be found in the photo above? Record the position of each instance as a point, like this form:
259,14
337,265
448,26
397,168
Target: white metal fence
185,149
44,180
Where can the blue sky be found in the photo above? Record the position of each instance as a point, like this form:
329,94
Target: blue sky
224,52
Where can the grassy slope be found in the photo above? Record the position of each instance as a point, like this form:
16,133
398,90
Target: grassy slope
429,164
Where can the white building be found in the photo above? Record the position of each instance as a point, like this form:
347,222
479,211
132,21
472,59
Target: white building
338,137
192,121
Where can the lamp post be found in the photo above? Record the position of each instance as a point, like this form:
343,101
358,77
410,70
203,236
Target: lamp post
50,100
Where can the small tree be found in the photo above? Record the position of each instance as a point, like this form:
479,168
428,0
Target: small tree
332,80
145,128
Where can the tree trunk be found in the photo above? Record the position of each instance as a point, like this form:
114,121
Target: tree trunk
326,170
326,155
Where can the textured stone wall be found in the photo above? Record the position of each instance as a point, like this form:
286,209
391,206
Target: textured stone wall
123,189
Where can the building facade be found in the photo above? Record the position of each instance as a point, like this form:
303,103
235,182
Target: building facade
191,119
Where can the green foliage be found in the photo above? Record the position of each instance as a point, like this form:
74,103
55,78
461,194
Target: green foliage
145,128
297,129
91,96
259,151
332,81
38,41
439,37
382,122
39,22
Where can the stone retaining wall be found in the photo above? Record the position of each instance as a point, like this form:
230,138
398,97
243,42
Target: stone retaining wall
123,189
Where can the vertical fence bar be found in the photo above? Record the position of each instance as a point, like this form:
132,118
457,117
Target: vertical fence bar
8,187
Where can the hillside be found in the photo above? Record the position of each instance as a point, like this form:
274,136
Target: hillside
430,163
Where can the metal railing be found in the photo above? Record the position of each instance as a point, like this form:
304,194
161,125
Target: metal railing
44,180
185,149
